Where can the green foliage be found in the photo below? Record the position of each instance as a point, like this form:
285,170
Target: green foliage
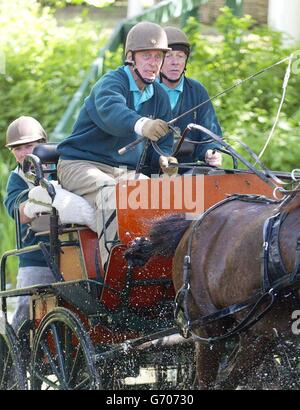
44,65
248,112
113,60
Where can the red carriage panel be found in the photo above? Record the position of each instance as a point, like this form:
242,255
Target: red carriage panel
140,202
140,294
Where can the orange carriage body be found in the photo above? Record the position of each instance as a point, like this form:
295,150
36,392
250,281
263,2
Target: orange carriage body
135,221
152,283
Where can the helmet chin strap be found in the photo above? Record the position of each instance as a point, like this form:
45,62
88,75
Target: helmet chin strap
162,75
133,65
145,80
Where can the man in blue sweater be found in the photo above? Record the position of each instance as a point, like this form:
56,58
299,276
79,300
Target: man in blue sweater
123,105
184,94
22,136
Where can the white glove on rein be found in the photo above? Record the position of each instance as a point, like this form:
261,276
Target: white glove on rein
71,208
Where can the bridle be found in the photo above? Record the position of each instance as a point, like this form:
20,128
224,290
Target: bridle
276,279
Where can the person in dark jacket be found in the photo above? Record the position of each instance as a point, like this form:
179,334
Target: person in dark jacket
22,136
123,105
184,94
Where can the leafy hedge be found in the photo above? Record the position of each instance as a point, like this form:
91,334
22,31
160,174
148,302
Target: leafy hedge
249,111
44,63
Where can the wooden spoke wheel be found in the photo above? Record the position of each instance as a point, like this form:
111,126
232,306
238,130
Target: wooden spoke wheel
12,371
63,356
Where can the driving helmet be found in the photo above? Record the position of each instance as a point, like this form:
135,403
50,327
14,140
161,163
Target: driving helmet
177,39
146,36
24,130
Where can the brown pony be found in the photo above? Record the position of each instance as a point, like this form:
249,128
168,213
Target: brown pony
225,269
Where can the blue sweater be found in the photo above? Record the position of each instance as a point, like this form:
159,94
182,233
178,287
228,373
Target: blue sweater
193,94
16,185
106,123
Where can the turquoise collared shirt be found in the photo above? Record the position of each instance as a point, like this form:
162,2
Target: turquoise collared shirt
173,93
139,97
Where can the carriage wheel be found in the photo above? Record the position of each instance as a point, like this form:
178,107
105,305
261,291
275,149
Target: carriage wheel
12,371
63,356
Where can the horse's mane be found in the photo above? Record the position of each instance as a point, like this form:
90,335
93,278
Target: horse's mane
166,233
163,239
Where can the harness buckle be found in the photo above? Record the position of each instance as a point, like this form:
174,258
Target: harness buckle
187,260
185,330
266,245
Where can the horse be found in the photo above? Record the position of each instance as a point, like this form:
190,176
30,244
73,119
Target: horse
221,254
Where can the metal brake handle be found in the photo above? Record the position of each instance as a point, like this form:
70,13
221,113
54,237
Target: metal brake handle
37,177
132,145
33,161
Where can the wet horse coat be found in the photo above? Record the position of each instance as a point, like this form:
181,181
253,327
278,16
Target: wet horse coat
226,257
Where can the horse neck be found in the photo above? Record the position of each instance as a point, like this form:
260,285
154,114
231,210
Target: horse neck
289,232
292,202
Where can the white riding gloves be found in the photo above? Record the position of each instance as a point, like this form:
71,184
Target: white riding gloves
71,208
213,158
32,209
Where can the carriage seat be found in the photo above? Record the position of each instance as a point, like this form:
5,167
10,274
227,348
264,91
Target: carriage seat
47,152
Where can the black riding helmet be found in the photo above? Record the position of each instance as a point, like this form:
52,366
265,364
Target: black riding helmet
177,41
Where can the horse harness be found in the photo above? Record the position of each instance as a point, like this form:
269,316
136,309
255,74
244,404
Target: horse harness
275,278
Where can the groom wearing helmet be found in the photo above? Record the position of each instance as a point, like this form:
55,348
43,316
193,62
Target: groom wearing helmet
22,135
184,94
123,105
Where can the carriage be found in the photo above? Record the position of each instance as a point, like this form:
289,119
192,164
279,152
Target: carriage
112,329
